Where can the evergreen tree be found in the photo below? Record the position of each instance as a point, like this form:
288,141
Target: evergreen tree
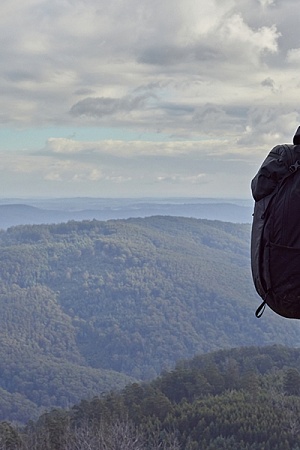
292,382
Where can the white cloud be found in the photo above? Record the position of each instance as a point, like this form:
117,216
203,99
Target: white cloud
72,149
177,178
266,3
235,32
211,78
293,56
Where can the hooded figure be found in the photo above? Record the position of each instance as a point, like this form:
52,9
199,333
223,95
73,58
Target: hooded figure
275,237
274,168
296,139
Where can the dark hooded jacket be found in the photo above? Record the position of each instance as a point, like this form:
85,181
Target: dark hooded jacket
274,168
281,162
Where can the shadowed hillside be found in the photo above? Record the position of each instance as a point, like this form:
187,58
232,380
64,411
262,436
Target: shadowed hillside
240,399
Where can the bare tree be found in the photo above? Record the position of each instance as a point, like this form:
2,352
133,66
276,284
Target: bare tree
119,435
94,435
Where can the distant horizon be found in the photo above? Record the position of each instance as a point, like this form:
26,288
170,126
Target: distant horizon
105,203
57,210
31,197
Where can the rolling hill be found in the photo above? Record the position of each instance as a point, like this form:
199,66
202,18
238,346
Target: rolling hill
89,306
33,211
237,399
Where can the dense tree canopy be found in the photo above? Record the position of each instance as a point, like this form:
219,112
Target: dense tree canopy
214,401
90,306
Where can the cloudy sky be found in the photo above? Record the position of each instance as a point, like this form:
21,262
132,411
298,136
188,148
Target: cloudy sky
133,98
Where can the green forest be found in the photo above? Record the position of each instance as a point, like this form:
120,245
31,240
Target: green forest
89,307
239,399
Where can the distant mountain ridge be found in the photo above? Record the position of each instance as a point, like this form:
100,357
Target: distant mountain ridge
63,210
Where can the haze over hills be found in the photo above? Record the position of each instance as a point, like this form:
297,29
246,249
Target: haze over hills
88,306
38,211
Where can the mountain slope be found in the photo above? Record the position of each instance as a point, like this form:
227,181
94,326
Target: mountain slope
238,399
130,296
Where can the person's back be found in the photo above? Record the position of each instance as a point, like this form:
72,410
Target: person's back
275,239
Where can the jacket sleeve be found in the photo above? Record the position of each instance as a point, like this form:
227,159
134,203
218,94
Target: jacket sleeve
271,172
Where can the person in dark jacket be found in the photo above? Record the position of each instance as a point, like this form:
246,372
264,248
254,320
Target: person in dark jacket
275,236
272,170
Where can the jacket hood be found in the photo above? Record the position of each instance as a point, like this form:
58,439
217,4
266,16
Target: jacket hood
296,139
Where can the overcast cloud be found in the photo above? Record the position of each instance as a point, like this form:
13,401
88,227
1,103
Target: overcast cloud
144,98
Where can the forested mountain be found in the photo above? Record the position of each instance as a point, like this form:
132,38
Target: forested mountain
86,305
239,399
